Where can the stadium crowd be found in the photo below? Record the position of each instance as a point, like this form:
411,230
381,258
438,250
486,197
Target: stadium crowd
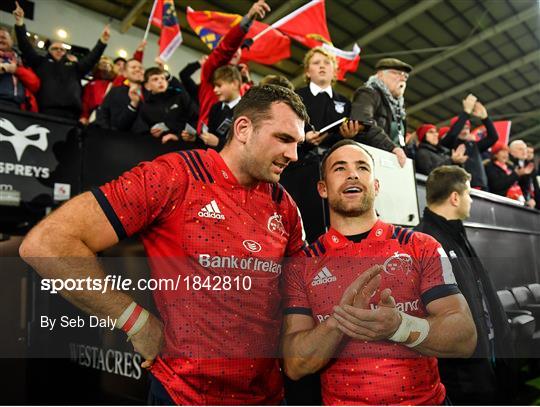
122,95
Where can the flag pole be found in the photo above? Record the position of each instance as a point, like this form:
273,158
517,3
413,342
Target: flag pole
150,20
286,18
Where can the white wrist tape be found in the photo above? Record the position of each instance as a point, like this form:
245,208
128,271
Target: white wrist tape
411,325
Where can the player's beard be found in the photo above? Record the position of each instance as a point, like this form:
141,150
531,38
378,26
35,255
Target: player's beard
353,210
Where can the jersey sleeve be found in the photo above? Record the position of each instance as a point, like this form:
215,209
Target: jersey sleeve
437,278
146,194
294,292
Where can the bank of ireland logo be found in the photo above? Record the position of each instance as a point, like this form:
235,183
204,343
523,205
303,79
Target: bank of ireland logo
252,246
398,263
34,135
275,224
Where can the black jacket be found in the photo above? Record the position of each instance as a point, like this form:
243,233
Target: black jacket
219,122
473,380
115,112
189,84
173,107
498,180
60,81
322,111
371,105
429,157
473,149
526,182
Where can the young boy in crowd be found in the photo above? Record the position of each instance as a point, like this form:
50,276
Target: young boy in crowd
227,82
166,109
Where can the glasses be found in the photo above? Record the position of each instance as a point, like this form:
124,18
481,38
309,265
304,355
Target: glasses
57,49
405,75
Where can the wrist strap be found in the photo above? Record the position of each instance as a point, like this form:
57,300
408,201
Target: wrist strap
132,319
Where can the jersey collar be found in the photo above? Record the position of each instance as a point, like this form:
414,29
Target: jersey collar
380,231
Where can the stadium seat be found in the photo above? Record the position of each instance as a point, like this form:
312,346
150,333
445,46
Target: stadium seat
535,289
526,301
522,324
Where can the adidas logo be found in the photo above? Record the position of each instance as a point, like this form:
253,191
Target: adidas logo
323,277
211,211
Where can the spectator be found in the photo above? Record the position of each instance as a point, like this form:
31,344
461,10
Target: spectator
518,158
534,174
381,100
323,103
166,109
431,155
60,91
411,145
185,77
502,176
94,91
227,83
227,52
18,84
460,133
279,80
471,381
119,108
120,64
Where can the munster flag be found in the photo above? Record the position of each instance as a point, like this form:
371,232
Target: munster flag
306,25
164,17
347,60
211,26
503,130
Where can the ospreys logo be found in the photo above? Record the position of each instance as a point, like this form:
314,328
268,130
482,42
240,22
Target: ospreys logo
33,135
399,262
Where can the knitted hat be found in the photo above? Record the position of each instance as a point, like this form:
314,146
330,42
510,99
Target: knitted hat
442,131
423,129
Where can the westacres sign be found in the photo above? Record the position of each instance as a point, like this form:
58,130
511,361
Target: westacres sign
32,147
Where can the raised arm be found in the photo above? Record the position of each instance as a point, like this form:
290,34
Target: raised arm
31,57
92,58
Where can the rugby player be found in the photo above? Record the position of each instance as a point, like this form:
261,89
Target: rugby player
371,304
211,218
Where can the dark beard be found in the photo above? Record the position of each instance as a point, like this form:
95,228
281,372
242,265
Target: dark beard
366,205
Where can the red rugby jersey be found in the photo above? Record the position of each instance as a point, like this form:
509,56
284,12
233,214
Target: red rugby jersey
197,223
416,269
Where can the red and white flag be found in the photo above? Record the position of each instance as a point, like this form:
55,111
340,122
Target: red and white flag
347,60
503,130
164,16
306,25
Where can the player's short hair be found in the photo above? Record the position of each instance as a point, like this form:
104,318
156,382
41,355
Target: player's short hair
228,74
258,101
279,80
322,51
155,70
444,180
339,144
